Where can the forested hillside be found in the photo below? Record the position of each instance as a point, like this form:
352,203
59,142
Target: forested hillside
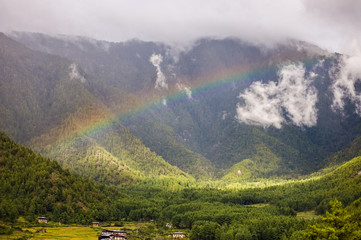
84,111
183,104
351,151
36,91
113,156
33,186
48,101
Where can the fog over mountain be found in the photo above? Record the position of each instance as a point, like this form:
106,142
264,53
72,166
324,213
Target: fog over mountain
330,24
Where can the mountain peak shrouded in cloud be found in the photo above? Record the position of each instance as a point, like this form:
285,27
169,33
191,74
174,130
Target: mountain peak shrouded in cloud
328,24
270,104
346,76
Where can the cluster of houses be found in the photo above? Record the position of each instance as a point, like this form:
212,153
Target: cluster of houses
113,234
122,235
179,235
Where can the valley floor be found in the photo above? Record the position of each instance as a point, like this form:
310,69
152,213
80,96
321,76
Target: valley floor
144,230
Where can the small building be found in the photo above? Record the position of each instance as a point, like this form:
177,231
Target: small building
179,235
168,225
95,224
104,236
42,220
113,234
119,238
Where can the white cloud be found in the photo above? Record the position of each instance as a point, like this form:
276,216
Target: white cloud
161,81
164,102
74,73
186,89
348,75
292,100
224,115
188,92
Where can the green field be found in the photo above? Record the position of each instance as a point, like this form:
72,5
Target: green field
136,230
76,233
55,233
307,215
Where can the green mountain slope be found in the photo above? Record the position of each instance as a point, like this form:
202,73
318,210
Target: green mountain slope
351,151
33,186
112,155
162,139
46,101
263,164
316,193
198,132
38,91
192,129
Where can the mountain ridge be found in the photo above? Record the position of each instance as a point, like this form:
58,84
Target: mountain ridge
197,131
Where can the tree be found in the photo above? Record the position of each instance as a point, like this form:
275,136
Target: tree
204,230
336,225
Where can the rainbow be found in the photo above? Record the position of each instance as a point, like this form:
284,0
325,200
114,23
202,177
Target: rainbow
202,86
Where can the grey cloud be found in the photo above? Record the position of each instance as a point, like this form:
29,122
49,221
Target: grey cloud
340,12
182,21
341,18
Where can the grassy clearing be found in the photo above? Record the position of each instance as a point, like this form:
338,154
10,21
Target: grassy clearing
54,233
307,215
259,205
75,233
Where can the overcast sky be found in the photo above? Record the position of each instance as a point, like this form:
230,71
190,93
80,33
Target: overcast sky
331,24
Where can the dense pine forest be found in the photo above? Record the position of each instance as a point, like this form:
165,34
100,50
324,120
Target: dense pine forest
35,186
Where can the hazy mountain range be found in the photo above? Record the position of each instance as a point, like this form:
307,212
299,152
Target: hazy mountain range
224,109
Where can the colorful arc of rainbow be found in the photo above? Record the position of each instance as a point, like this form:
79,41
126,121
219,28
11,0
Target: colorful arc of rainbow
201,85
